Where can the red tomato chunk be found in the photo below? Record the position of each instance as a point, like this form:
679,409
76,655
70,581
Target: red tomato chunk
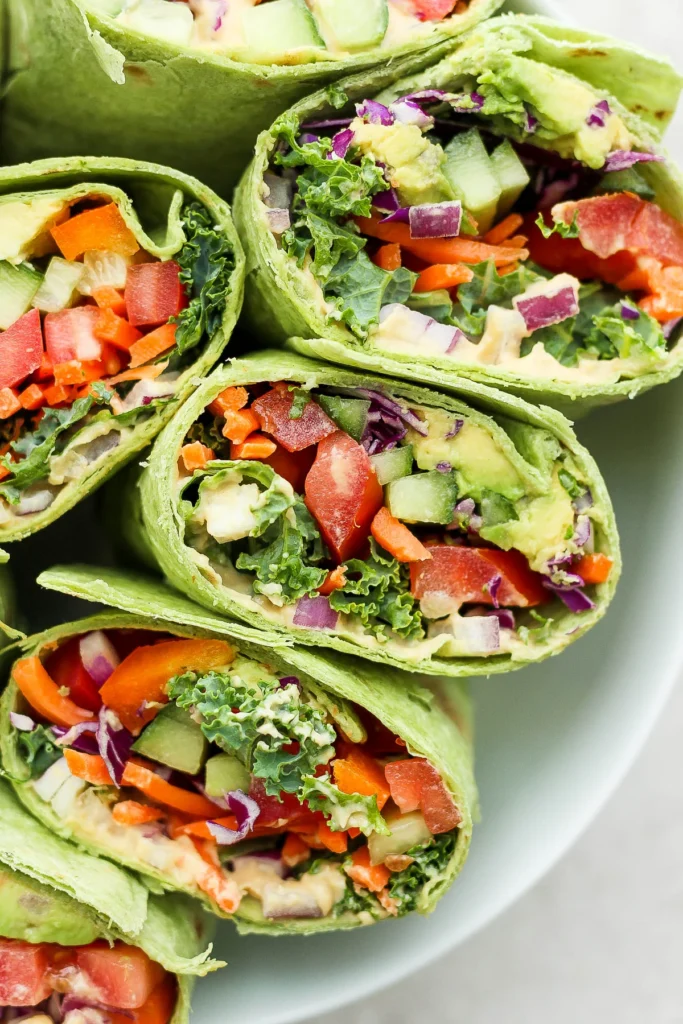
21,349
273,411
70,335
153,293
124,976
23,970
414,784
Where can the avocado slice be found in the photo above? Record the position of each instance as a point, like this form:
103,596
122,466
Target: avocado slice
348,25
423,497
472,176
173,739
270,30
350,414
225,773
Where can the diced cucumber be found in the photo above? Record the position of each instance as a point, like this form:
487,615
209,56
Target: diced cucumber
626,181
407,831
512,176
171,22
350,414
223,774
394,464
496,509
173,739
273,29
348,25
470,173
18,285
423,497
58,286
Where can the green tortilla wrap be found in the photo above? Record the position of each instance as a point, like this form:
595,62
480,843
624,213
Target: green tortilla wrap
82,81
357,707
495,127
64,435
39,877
519,471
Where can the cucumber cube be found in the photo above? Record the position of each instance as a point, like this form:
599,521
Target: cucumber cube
470,173
423,497
512,176
394,464
350,414
271,30
224,774
174,739
349,25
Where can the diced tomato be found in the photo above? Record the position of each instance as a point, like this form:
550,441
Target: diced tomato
292,466
23,969
124,976
432,10
21,349
273,810
66,669
70,334
9,403
154,293
415,783
343,494
466,574
273,411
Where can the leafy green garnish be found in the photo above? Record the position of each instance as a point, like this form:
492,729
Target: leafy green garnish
559,227
344,810
570,484
361,289
285,558
378,591
357,901
259,725
488,288
206,265
300,399
274,499
622,335
38,749
429,864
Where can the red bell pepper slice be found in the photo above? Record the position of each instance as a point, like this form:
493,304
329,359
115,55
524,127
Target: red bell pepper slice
21,349
273,410
467,574
154,293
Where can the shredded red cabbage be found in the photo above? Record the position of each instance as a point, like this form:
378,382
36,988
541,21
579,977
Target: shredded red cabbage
621,160
453,432
629,313
435,220
338,122
114,743
98,656
401,214
386,201
81,737
670,326
597,118
375,113
531,123
584,501
341,143
408,112
315,613
584,531
493,587
289,681
245,810
505,617
573,597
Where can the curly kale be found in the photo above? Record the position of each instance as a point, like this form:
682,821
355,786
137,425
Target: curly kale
286,557
429,863
378,591
259,725
206,263
38,749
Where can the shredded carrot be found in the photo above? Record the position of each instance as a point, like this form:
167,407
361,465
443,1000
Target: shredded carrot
395,537
57,395
256,446
229,400
218,886
439,250
442,275
111,298
369,876
140,373
4,472
89,767
32,397
78,372
196,455
388,257
518,242
295,850
139,776
200,829
130,812
102,227
335,842
335,580
509,269
112,360
504,230
239,424
9,403
152,345
594,568
116,330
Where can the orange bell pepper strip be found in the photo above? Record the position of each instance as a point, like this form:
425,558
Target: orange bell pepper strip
360,773
116,330
239,424
369,876
440,250
200,829
388,257
140,373
103,227
9,403
335,580
32,397
295,850
139,776
196,455
143,676
78,372
395,537
111,298
229,400
256,446
594,568
442,275
157,1008
152,345
44,695
504,230
130,812
89,767
335,842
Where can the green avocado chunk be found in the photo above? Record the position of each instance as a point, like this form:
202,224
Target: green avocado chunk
173,739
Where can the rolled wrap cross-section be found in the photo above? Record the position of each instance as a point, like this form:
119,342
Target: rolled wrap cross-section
298,794
120,284
452,169
378,518
98,76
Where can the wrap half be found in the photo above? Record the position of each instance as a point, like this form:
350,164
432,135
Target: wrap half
61,960
120,284
500,216
289,792
379,518
104,76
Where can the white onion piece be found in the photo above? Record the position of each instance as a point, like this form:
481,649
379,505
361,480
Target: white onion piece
35,501
280,191
98,656
287,900
278,221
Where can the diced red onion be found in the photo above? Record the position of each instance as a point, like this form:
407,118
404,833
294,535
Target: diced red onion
547,309
315,613
531,123
98,655
628,312
72,1003
307,137
21,722
583,532
289,681
114,743
479,634
409,112
444,467
145,391
35,501
386,201
374,112
341,143
435,220
622,160
81,737
573,597
505,617
453,432
389,404
279,221
465,507
427,96
245,809
399,216
597,118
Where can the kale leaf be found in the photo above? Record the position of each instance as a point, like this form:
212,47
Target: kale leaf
488,288
344,810
559,227
377,589
259,725
286,557
206,263
429,864
38,749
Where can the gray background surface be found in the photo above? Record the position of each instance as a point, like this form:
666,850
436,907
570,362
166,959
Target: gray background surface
600,939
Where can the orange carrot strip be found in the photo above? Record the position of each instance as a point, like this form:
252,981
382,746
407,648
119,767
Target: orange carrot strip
78,372
295,850
335,580
200,829
442,275
130,812
103,227
504,230
395,537
369,876
89,767
152,345
196,455
439,250
594,568
336,842
256,446
140,373
44,695
139,776
388,257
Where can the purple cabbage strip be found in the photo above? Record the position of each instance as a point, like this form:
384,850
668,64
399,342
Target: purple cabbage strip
81,737
493,587
597,118
629,313
621,160
114,742
390,406
444,467
671,325
289,681
386,201
401,214
531,123
505,617
573,597
245,810
453,432
341,143
374,112
334,123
